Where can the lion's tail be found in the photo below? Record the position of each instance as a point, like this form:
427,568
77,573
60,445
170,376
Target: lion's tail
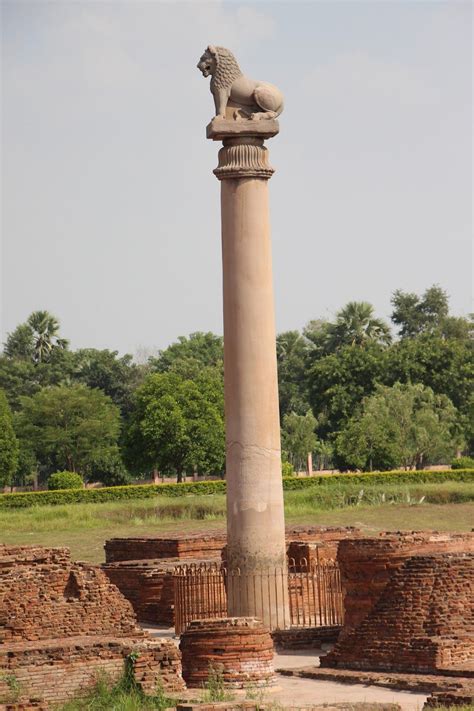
269,98
282,106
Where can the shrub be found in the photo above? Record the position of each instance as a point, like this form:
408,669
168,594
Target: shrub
371,478
287,469
65,480
111,474
290,483
463,463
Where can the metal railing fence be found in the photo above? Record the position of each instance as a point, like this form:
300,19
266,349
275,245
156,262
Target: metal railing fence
306,594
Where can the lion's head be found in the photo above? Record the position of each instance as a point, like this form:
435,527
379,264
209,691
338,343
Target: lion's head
221,65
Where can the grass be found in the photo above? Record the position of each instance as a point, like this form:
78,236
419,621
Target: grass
122,696
85,527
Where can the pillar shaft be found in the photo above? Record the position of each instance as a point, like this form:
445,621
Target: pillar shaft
253,467
256,550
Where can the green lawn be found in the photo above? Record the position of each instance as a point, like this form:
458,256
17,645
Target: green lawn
85,527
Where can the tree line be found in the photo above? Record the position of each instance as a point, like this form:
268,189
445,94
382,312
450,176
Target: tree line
351,392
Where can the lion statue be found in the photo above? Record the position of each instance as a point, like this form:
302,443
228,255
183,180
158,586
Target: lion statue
230,88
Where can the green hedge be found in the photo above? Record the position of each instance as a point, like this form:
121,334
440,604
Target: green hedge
369,478
109,493
291,483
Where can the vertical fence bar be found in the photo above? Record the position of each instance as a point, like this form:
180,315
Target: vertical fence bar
291,574
275,580
314,593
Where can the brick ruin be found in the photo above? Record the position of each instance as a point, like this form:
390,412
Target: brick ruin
190,546
394,584
409,603
149,586
408,599
142,567
317,543
238,648
62,622
367,564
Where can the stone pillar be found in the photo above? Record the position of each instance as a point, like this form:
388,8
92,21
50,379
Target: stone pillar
256,550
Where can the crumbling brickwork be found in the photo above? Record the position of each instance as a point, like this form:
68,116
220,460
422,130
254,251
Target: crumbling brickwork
239,648
57,669
44,595
367,564
204,546
419,609
314,543
450,698
61,622
189,546
305,637
149,586
146,580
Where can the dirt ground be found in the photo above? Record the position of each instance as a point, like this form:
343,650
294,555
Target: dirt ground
294,691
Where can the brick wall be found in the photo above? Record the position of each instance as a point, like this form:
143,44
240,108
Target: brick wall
189,546
61,622
56,670
367,564
54,597
317,543
423,620
148,585
199,546
146,580
305,637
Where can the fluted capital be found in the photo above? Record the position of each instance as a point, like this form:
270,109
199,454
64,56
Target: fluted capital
243,158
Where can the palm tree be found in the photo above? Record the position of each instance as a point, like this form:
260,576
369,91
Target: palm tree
290,343
356,325
45,329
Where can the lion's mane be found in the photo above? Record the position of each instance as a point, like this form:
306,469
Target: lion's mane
227,69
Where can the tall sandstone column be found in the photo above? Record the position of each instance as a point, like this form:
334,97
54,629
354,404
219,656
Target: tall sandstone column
255,516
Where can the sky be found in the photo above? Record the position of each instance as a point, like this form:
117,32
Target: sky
110,210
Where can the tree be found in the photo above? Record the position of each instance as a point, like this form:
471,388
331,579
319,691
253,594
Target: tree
316,334
298,437
117,376
445,365
190,354
69,427
45,329
177,425
407,425
292,351
36,339
20,343
415,315
110,472
20,377
355,325
8,443
325,452
338,382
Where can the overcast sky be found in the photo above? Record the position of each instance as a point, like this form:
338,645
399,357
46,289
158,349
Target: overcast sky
110,207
